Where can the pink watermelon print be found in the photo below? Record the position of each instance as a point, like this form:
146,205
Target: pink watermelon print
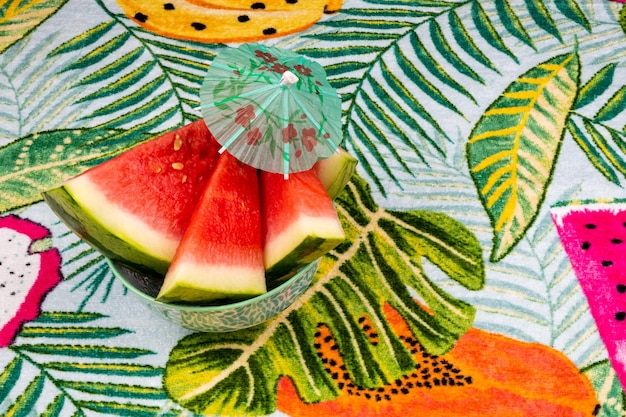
594,236
29,269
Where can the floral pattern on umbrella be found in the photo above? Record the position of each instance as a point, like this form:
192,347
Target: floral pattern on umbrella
272,109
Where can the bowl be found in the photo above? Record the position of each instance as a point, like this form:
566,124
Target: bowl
225,317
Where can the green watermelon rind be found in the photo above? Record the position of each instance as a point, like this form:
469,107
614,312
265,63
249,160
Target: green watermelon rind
311,248
92,231
336,171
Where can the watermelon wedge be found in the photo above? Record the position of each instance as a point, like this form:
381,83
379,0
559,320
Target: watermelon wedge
220,254
336,171
593,234
135,207
300,223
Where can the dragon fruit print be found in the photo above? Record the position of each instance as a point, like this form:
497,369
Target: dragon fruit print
593,234
29,269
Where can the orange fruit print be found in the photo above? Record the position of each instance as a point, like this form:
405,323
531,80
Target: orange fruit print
484,374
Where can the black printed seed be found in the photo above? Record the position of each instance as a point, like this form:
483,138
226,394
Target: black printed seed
596,410
141,17
621,288
585,245
258,5
198,26
617,241
620,316
269,31
590,226
291,1
607,263
243,18
168,6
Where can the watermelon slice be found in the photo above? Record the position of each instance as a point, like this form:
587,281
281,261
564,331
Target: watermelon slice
300,223
594,236
335,172
220,255
135,207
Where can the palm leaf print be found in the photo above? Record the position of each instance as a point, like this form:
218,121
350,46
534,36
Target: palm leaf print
36,93
513,147
156,76
382,261
439,51
604,145
59,344
18,18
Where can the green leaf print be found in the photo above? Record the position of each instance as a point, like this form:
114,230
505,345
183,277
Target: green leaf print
597,85
380,262
81,369
41,161
513,148
19,18
610,391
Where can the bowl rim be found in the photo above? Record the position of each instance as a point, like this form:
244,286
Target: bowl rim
238,304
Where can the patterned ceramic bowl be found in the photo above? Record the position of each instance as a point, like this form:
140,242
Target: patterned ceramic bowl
218,318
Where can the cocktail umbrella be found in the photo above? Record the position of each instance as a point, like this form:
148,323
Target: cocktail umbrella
271,108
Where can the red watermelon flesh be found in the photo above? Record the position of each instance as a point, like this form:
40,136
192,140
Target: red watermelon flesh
220,254
161,176
594,237
300,222
135,207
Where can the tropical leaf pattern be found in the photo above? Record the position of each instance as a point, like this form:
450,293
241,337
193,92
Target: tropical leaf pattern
337,299
513,148
19,18
468,118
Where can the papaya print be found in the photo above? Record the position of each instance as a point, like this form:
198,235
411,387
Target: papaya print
29,268
451,253
473,379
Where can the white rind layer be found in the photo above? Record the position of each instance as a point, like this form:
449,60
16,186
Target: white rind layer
289,239
203,280
121,223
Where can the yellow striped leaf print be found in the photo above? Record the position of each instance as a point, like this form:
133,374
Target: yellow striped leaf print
19,18
513,148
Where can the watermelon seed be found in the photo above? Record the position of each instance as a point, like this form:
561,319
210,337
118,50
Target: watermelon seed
178,166
607,263
585,245
178,143
620,316
616,241
184,179
157,170
590,226
621,288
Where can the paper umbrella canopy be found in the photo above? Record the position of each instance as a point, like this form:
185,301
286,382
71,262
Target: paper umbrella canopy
271,108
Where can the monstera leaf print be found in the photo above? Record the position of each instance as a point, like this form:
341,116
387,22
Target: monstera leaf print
513,148
382,259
